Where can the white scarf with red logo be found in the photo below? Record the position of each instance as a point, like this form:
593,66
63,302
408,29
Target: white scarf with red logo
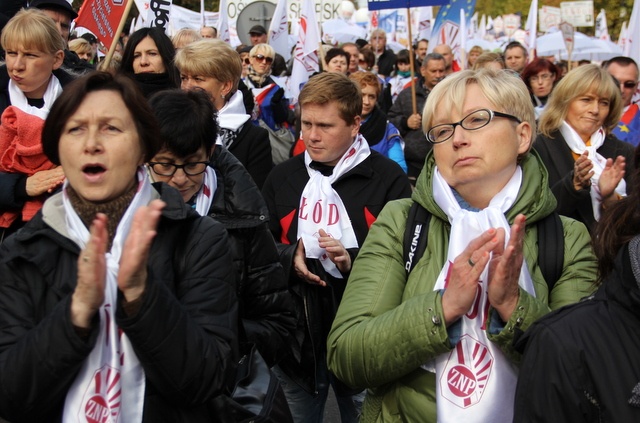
111,383
475,382
204,197
322,208
578,146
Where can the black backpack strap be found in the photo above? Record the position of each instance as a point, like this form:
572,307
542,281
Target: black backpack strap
551,248
415,235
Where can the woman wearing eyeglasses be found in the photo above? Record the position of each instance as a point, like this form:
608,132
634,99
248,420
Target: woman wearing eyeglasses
589,168
271,105
435,343
540,76
215,184
213,66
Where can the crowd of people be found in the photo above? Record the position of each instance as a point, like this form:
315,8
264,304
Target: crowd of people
418,235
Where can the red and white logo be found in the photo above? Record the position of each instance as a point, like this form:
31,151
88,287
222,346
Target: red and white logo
101,402
466,373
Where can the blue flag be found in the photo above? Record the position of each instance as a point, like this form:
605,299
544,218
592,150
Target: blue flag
402,4
446,29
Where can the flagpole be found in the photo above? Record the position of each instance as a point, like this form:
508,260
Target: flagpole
411,65
116,37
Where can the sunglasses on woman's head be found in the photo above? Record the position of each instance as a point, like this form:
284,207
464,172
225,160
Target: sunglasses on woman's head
260,58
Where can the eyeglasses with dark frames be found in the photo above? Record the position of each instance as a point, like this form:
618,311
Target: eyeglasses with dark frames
169,169
263,58
471,122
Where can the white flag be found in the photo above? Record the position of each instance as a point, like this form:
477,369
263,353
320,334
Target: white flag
223,22
472,31
461,54
306,59
482,30
602,31
622,39
532,28
632,49
159,13
425,22
143,9
279,31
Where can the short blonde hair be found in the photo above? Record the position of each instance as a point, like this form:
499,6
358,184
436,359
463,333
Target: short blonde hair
33,30
211,57
184,37
576,83
80,46
504,90
264,49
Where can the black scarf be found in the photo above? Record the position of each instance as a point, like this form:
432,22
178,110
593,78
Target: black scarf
375,126
151,83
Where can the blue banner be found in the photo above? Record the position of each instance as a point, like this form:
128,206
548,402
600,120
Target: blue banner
402,4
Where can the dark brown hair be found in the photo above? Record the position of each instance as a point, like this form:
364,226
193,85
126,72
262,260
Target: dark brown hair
75,93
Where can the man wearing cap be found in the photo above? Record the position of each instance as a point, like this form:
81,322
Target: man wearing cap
62,14
258,35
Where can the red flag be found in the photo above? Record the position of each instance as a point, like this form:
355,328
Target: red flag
374,19
102,17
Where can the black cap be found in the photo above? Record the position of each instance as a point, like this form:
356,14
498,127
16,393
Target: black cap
55,4
257,29
89,37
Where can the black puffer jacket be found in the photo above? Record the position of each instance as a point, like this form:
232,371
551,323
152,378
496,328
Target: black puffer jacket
266,306
184,333
581,362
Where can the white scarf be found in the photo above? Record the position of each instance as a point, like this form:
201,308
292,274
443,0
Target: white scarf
475,381
111,381
578,146
18,99
204,198
322,208
233,115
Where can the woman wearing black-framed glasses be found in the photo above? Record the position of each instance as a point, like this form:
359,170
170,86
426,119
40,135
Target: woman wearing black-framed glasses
433,336
222,189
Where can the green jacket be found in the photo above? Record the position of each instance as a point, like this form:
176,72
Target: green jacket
388,325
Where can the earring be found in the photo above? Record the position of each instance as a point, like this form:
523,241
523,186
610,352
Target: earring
222,96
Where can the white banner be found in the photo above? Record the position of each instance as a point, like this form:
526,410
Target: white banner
577,13
549,17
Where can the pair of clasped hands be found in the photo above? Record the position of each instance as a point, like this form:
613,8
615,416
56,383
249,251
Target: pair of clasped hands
132,274
335,251
611,176
505,263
